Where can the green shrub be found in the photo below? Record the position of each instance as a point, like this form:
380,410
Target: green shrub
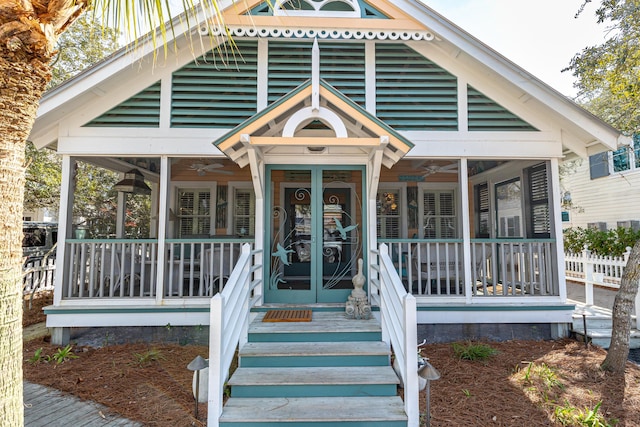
610,242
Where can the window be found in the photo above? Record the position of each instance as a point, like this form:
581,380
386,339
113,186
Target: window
388,214
439,219
193,212
242,214
509,208
620,160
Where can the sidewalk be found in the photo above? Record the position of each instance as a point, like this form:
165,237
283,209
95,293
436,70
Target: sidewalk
602,297
44,406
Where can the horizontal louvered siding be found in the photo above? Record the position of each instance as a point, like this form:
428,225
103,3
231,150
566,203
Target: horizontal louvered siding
141,110
342,65
212,93
487,115
413,93
289,67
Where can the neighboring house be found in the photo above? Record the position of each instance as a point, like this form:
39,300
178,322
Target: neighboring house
603,191
397,127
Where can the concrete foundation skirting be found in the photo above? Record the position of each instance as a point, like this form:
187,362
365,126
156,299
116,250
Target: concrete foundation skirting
444,333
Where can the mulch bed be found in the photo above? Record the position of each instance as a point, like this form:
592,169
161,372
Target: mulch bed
504,390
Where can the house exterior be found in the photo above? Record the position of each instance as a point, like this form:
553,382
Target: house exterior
603,191
330,128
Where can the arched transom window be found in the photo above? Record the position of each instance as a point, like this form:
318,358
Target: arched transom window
326,8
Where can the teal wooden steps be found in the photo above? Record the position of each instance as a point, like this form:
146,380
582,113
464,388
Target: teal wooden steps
329,372
307,354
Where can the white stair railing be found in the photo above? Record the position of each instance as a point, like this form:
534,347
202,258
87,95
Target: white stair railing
229,325
398,319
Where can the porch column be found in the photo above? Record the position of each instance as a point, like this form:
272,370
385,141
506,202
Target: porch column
121,209
466,228
60,336
163,200
556,224
373,179
257,177
65,223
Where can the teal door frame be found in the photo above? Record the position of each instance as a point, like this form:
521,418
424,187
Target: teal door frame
274,285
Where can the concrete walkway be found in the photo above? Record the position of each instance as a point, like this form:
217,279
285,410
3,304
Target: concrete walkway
44,406
602,297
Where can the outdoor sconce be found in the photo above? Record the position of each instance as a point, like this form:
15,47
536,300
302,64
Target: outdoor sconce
196,365
133,182
428,373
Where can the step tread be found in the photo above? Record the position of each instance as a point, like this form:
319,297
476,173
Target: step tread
314,409
350,348
314,376
605,333
322,322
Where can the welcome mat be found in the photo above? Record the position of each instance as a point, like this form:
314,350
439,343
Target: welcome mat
287,316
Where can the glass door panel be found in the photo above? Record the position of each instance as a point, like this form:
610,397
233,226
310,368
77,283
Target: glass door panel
314,233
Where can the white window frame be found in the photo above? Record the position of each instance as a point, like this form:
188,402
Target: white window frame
401,188
232,186
176,186
440,186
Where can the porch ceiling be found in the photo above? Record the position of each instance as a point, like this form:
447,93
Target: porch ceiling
295,125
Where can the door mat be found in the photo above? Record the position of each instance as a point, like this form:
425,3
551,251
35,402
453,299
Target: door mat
287,316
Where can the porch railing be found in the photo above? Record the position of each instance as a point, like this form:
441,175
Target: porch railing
200,267
124,268
497,267
229,325
399,324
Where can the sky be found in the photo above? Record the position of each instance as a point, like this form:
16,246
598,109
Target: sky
541,36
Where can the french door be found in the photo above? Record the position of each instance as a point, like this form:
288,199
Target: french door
315,222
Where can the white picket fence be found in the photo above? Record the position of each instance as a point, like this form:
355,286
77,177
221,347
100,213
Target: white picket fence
596,270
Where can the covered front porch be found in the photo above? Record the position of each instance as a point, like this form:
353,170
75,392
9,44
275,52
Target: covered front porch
459,232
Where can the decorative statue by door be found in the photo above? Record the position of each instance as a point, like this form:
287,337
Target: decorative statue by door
357,306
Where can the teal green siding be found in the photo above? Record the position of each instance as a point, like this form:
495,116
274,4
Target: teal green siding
487,115
218,90
414,93
289,66
141,110
342,65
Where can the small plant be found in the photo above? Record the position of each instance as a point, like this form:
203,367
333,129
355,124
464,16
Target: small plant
470,351
568,415
466,392
152,355
63,354
38,356
543,372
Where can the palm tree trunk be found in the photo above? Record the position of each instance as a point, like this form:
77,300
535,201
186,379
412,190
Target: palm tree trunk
618,353
22,82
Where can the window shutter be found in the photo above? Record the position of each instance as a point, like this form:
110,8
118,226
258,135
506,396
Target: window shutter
539,201
599,165
482,210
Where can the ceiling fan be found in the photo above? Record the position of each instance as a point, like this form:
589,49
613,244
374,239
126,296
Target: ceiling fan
204,168
434,168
